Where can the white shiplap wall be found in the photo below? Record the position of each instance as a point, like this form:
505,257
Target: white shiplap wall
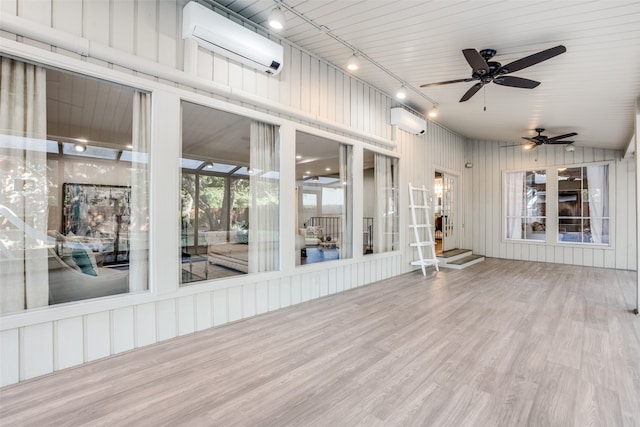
483,188
42,341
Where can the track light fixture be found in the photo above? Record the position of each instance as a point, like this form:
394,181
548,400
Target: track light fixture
276,18
401,93
569,148
433,112
80,148
354,63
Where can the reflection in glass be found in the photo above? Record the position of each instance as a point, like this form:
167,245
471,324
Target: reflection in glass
380,210
583,204
59,246
526,197
229,196
324,225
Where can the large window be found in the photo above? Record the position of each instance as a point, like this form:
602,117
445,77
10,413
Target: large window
324,226
74,213
230,195
583,204
380,210
526,197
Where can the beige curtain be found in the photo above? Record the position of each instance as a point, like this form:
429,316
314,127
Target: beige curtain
23,186
139,215
346,234
385,204
264,223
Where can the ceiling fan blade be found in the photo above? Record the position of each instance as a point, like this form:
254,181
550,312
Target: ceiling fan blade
514,145
447,82
535,141
476,87
513,81
566,135
476,61
534,59
559,142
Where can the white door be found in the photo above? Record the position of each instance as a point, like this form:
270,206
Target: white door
449,206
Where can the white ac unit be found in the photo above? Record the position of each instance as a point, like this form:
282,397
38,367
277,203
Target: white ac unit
215,32
408,121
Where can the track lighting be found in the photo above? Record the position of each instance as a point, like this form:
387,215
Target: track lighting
208,165
80,148
569,148
433,112
354,63
276,18
401,93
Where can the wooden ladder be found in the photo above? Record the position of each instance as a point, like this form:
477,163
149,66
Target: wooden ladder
422,228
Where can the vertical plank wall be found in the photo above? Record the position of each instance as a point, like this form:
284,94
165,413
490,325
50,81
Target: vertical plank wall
484,189
326,95
34,344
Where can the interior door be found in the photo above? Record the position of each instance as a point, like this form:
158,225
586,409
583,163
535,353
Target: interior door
449,206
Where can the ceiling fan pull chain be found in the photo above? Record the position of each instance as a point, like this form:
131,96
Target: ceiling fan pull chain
484,92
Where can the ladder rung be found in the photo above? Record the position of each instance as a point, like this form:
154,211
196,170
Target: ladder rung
422,244
425,262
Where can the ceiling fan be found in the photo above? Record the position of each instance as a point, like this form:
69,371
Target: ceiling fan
539,139
486,71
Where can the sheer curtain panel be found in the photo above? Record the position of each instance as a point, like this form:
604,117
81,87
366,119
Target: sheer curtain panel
597,178
264,222
139,215
346,238
514,184
23,186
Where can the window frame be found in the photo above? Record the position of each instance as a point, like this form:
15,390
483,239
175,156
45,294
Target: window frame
552,214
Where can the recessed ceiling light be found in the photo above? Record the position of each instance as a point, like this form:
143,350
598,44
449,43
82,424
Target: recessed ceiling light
327,169
308,172
130,146
298,157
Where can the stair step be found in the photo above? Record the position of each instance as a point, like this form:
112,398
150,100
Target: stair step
461,263
454,252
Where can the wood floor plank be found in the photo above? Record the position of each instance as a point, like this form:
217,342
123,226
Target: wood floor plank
502,343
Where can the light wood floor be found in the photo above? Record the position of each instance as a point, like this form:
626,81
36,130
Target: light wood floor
502,343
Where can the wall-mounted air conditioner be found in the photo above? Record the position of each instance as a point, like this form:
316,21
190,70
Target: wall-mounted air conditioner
215,32
408,121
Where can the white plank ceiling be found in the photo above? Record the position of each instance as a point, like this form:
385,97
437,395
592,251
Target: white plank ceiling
591,89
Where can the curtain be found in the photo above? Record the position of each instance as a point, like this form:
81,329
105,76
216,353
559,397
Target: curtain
385,211
139,215
23,186
514,184
264,222
346,232
598,185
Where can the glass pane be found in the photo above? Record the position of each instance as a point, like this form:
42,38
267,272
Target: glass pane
526,197
535,228
323,188
76,218
583,204
231,197
380,210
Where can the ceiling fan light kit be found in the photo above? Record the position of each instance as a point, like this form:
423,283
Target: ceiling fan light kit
540,139
485,71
